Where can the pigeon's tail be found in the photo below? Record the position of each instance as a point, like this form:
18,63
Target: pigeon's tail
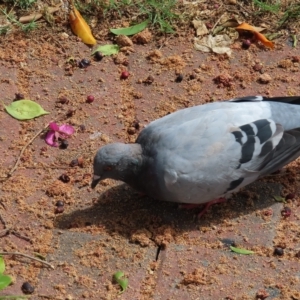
286,113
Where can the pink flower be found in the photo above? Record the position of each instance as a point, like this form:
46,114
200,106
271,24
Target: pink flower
55,132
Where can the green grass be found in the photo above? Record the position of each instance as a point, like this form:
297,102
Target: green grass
160,13
14,22
291,13
268,6
23,4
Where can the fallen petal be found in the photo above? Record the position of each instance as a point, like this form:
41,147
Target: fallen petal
66,129
50,138
259,36
53,126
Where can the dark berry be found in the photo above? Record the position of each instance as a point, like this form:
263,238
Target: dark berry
27,288
63,100
60,207
90,99
192,76
286,212
70,113
297,254
64,178
228,242
290,196
278,251
149,79
59,203
98,55
179,78
84,63
124,75
74,163
64,144
246,44
136,124
19,96
82,127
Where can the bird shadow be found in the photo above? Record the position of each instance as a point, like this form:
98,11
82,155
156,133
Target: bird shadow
122,210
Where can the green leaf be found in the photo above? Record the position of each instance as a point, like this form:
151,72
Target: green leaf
130,30
122,282
241,250
4,281
25,109
107,49
279,199
2,265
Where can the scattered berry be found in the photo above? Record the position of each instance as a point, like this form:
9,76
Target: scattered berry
124,75
80,161
64,144
179,78
149,80
70,113
82,127
192,76
98,55
286,212
136,124
297,254
63,100
228,242
246,44
90,99
290,196
60,207
84,63
278,251
19,96
27,288
64,178
262,294
131,130
74,163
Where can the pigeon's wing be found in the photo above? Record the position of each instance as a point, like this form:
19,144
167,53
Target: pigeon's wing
224,159
290,100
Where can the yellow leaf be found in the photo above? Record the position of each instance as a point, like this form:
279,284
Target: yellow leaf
80,27
259,36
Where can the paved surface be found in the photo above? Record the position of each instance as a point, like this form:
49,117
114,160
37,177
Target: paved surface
114,228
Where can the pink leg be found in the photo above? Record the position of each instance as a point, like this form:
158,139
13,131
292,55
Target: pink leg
206,205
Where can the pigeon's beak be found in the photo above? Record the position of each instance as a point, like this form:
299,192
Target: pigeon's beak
96,179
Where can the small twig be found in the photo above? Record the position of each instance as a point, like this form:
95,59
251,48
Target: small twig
24,148
212,30
13,297
20,236
28,256
37,16
2,221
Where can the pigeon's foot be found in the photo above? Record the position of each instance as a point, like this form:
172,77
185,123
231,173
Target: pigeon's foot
206,205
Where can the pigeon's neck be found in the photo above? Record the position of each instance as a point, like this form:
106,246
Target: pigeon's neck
132,165
134,168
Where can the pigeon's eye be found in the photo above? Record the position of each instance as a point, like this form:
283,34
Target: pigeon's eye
108,168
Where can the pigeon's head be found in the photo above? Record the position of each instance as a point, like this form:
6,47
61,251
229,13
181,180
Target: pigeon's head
117,161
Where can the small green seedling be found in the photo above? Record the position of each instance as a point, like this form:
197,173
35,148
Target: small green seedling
279,199
122,282
241,250
107,49
4,279
130,30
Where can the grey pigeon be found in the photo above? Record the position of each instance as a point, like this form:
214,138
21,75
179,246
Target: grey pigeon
206,152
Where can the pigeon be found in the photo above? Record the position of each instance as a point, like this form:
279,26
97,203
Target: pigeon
202,154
